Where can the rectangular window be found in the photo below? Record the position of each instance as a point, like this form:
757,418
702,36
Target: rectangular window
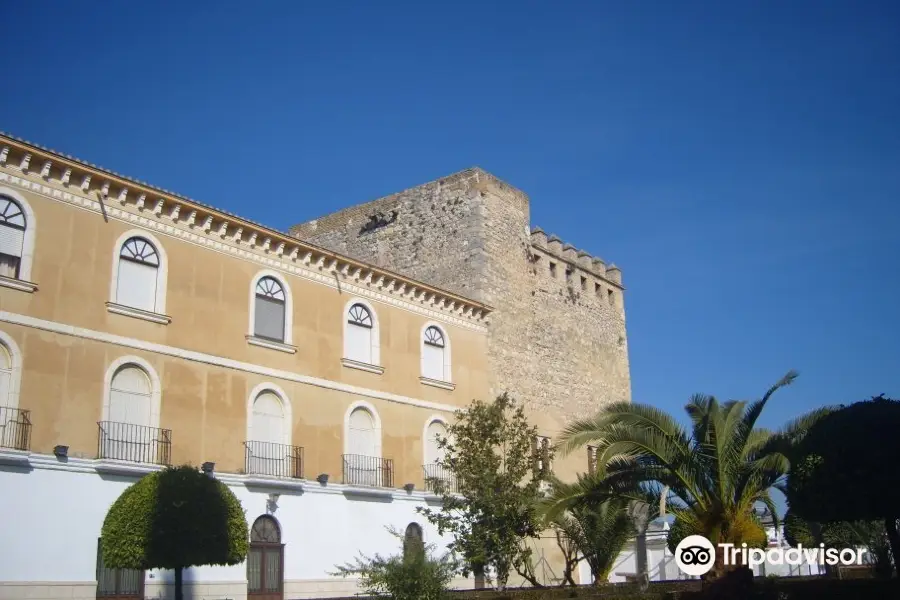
269,319
553,270
584,284
598,289
359,343
611,297
433,362
11,240
137,285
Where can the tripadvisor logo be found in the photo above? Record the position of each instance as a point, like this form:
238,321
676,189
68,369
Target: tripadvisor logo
695,555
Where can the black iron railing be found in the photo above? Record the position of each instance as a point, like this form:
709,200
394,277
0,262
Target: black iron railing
368,470
134,443
439,479
273,460
15,428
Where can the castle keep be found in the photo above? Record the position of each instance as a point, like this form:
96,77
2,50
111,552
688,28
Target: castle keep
556,338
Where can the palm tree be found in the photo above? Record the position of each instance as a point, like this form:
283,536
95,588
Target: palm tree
711,478
597,524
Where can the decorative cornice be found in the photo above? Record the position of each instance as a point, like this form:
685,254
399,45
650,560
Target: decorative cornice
221,230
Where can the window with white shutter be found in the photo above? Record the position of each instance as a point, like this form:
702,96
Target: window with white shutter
138,275
434,355
12,236
268,419
269,310
363,439
433,451
5,376
358,334
130,394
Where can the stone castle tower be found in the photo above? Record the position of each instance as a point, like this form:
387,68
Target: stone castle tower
557,334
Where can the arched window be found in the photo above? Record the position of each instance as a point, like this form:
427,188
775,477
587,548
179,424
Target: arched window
265,561
138,275
433,451
14,427
270,310
12,237
5,376
363,436
130,396
268,446
437,475
361,335
363,464
126,433
435,354
413,542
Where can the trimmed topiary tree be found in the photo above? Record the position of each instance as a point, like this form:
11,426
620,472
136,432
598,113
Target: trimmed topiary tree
844,469
174,519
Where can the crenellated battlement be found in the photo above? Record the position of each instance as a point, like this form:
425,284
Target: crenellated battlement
575,260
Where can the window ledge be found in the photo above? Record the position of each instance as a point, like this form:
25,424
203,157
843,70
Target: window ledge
355,364
137,313
122,467
445,385
271,344
18,284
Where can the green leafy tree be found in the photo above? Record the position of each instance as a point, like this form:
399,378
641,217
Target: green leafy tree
415,574
489,450
831,481
870,535
710,478
174,519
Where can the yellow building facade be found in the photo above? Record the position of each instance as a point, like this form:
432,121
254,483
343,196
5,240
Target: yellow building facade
139,328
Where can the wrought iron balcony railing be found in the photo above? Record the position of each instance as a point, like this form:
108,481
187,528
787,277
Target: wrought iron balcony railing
15,428
134,443
273,460
368,470
439,479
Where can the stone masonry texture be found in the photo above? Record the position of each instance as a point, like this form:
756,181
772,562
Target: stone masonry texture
556,337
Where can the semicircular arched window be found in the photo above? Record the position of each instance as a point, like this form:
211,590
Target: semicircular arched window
12,236
360,335
435,355
138,274
269,310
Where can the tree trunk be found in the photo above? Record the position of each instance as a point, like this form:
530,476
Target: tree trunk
478,572
890,525
179,592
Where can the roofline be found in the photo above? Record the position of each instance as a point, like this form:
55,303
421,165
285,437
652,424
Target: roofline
129,183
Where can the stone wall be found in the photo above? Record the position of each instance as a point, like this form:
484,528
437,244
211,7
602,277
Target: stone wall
557,336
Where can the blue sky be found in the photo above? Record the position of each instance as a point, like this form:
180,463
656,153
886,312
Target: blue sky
740,163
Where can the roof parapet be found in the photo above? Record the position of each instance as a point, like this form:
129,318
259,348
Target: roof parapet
595,265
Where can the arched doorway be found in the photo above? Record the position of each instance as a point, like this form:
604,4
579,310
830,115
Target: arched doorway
265,562
413,543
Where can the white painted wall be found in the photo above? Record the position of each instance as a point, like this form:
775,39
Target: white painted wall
54,513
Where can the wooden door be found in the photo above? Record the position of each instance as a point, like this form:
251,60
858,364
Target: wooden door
265,561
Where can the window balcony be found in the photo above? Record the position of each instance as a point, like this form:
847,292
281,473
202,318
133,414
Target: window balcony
273,460
439,479
15,428
134,443
371,471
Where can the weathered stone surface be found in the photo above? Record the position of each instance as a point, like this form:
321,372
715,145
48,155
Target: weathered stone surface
557,342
